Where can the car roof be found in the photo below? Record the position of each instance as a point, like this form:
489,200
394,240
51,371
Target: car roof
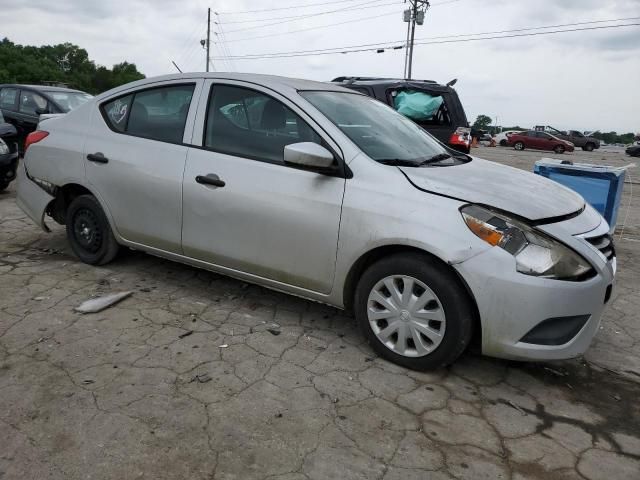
270,81
390,83
41,88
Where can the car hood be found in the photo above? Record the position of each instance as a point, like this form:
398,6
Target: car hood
506,188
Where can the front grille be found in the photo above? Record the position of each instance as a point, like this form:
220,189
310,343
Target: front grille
604,243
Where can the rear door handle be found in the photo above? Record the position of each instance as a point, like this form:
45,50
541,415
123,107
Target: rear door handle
210,179
97,157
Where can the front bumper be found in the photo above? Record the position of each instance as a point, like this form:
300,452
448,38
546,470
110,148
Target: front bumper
511,304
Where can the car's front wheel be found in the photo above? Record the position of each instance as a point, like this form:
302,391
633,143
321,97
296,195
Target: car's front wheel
89,232
413,311
559,149
518,146
503,143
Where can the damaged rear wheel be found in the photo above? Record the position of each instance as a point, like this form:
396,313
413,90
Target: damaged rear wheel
414,311
88,231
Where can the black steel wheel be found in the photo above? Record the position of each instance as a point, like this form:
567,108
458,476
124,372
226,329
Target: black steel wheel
89,232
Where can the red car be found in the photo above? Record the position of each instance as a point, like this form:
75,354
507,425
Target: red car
539,141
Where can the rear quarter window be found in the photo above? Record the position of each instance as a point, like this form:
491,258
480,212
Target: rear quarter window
116,112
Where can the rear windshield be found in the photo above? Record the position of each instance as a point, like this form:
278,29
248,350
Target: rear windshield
69,100
379,131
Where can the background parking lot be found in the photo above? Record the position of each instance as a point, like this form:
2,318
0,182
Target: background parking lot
200,376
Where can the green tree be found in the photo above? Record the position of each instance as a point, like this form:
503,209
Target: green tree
482,122
64,63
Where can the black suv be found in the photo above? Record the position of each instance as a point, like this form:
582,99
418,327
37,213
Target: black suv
435,107
8,153
22,105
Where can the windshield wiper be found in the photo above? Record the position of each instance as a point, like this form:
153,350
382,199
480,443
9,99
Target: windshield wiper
436,158
398,162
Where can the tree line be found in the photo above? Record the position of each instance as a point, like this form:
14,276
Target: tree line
64,63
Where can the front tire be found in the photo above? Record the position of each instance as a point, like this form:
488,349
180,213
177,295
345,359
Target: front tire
3,186
88,231
518,146
414,311
559,149
503,143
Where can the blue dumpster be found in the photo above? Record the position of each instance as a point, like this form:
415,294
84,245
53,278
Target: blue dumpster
600,185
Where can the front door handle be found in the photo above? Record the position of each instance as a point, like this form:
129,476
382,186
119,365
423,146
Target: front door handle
97,157
210,179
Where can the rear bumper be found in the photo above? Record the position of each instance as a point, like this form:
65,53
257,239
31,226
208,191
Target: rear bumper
32,199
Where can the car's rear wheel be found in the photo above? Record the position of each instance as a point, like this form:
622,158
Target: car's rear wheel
518,146
588,147
3,186
413,311
559,149
88,231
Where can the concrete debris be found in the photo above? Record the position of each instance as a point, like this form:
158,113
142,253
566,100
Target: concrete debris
224,345
185,334
98,304
273,331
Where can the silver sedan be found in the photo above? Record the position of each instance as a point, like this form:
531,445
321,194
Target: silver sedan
321,192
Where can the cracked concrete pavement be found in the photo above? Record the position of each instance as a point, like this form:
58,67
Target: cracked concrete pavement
198,376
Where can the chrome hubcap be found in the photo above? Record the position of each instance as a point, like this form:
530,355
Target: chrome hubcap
406,316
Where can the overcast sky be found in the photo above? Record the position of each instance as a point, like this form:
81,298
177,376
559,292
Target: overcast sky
584,80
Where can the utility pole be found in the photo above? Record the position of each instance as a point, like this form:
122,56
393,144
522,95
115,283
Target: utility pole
208,35
414,15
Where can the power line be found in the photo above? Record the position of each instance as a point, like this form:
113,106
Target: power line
359,19
523,29
450,39
307,15
310,15
307,5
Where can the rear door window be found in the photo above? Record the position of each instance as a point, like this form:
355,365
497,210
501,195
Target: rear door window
159,113
8,98
32,104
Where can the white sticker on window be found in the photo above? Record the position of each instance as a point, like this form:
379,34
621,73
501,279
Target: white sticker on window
118,111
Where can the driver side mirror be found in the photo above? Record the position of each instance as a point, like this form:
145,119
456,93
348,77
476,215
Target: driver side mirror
40,111
308,155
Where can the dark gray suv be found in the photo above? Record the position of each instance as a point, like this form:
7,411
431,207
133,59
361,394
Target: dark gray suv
22,105
435,107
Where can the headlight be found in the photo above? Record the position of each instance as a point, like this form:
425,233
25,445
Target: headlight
4,149
536,253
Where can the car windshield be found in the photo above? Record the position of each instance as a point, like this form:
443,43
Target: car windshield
378,130
69,100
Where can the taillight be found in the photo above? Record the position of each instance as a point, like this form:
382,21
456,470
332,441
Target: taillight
462,136
34,137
